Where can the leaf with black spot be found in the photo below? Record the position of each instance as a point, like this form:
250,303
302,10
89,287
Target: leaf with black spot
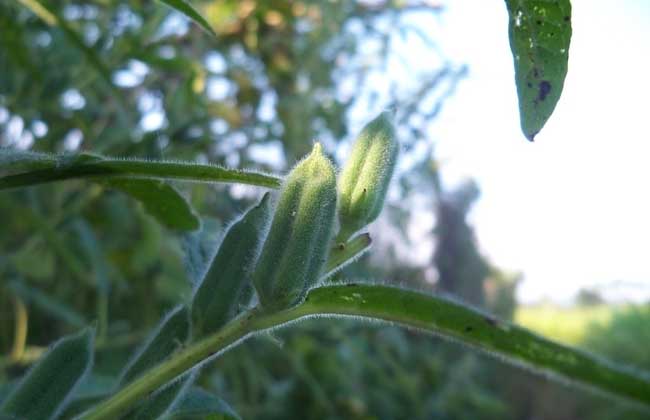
540,35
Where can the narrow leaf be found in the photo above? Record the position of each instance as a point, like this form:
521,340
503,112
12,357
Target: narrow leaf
540,34
44,391
469,326
160,200
200,404
99,168
217,297
199,248
172,332
184,7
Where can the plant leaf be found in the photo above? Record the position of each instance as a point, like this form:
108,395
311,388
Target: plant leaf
200,404
160,200
99,168
540,34
172,332
44,391
469,326
199,248
188,10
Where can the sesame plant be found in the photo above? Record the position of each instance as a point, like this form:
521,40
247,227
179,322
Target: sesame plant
274,265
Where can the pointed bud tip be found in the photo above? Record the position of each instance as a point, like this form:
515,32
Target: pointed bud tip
318,149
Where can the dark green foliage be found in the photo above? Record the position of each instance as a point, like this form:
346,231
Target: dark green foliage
366,175
218,296
172,333
46,389
299,238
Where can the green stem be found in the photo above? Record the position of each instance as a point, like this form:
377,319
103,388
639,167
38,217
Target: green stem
408,308
138,169
346,253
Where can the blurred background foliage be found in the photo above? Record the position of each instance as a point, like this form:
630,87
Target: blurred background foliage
132,78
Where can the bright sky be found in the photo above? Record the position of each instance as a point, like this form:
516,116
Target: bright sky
571,209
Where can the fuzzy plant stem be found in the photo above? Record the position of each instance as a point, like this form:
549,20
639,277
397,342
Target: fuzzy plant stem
437,315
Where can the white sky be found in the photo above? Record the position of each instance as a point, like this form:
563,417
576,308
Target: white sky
571,209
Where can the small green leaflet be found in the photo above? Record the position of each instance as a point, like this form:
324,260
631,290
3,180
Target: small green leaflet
188,10
540,34
160,200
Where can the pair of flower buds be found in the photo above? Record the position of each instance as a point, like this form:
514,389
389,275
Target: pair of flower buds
288,261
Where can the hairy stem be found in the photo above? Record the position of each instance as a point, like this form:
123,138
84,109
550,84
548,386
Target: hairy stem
408,308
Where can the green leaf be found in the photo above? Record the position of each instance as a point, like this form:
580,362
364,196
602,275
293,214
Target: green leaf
217,297
99,168
160,200
343,254
188,10
540,34
91,246
466,325
45,390
200,404
172,332
408,308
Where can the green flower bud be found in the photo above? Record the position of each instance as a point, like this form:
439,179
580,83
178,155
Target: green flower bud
365,178
298,242
223,287
46,389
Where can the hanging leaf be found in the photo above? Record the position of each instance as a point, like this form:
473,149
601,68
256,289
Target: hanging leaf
540,34
188,10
